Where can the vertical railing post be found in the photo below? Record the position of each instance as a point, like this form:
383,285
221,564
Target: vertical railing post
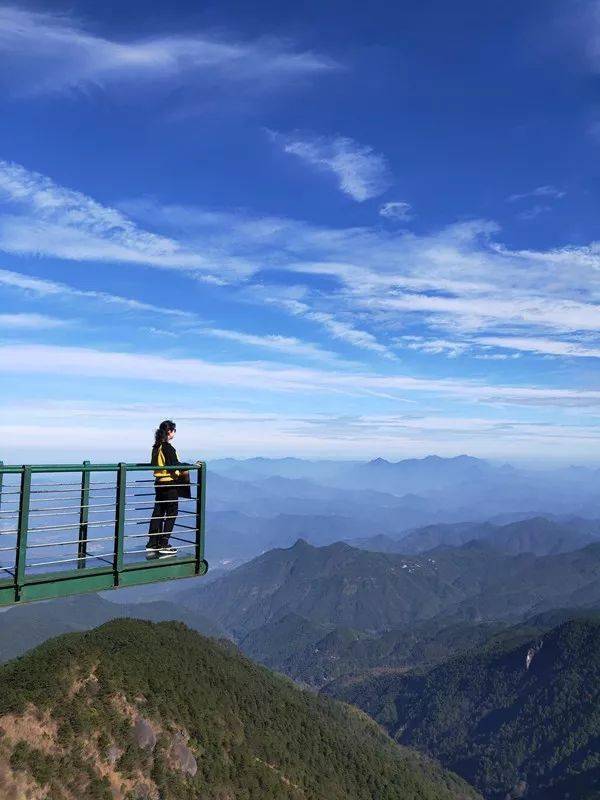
1,479
23,525
84,509
200,513
120,521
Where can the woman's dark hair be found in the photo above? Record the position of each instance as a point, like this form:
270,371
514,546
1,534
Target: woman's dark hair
161,433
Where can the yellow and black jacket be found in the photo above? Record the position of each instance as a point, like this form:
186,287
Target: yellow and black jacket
165,455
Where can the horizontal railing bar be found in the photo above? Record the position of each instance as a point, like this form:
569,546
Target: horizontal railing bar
46,512
150,535
12,469
189,527
179,539
69,560
157,502
134,552
93,485
171,467
76,492
70,525
93,555
71,541
99,523
181,510
74,509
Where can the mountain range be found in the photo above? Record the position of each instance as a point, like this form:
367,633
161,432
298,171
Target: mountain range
317,613
539,535
373,592
257,504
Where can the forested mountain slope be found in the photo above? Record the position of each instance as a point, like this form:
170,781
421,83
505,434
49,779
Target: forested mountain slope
366,591
138,710
26,626
524,718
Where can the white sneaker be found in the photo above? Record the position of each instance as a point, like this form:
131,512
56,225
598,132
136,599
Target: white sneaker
169,550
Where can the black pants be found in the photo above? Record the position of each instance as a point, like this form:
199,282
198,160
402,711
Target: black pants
163,515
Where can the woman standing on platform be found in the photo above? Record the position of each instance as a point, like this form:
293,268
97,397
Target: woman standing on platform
166,488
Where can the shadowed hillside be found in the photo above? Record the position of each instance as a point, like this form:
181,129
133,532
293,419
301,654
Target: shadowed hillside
523,718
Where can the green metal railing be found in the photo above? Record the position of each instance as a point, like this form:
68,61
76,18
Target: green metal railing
117,557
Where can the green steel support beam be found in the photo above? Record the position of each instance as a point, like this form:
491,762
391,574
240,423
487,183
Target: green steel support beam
200,513
120,521
83,516
23,526
1,478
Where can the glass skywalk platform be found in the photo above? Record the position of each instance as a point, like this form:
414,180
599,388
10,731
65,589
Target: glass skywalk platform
72,528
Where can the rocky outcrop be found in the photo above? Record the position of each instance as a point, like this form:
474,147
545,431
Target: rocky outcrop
143,734
182,757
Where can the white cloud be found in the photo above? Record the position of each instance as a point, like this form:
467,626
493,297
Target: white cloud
45,288
19,322
271,378
476,313
361,173
552,347
548,192
456,283
434,346
398,211
47,219
77,430
344,331
46,52
289,345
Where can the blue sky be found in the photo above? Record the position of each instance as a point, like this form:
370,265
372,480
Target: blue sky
320,230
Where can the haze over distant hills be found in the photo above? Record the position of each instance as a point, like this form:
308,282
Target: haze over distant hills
257,504
538,535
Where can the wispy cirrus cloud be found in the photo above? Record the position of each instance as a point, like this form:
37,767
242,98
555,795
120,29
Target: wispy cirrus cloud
397,211
41,287
361,173
548,192
43,218
228,431
43,52
458,283
272,378
285,345
339,329
544,195
33,322
546,347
